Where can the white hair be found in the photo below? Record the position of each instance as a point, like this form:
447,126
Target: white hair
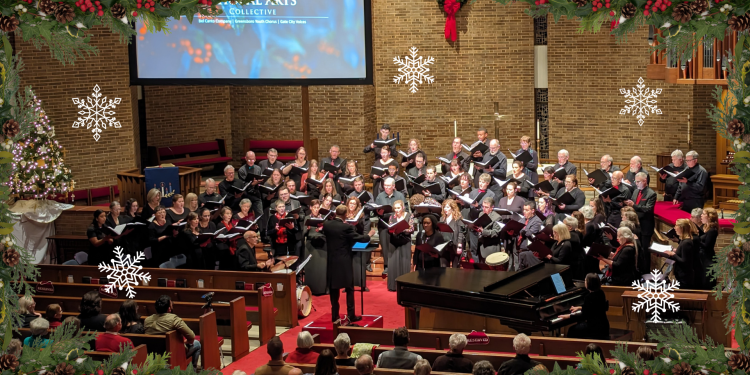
457,341
494,141
228,168
564,152
342,343
422,367
637,159
305,340
696,212
587,212
209,180
609,158
522,344
642,175
571,222
626,233
677,154
390,181
694,154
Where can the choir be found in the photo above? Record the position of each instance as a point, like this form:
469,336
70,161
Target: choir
476,208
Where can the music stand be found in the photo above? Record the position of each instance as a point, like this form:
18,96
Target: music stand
360,265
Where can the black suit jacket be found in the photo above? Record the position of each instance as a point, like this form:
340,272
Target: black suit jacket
340,237
645,211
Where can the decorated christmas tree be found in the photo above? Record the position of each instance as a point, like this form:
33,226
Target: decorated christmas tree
37,158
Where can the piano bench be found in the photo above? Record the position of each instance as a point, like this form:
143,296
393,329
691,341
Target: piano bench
616,334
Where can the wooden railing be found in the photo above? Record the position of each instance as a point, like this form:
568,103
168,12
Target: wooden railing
708,65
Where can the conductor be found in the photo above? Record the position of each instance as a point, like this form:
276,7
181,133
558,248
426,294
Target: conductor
340,238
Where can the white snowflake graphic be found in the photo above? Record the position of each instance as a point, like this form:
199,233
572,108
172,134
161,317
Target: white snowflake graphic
656,296
125,272
413,70
640,102
97,112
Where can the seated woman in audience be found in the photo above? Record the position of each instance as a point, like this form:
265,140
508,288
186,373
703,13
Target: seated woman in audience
622,264
161,237
326,364
101,245
454,360
39,331
710,220
452,216
523,180
342,344
91,308
549,175
686,253
177,213
594,351
54,315
314,173
187,242
422,367
303,353
131,321
595,325
300,161
350,172
26,308
75,322
15,348
153,200
191,202
409,163
645,353
329,187
282,236
512,202
226,247
245,213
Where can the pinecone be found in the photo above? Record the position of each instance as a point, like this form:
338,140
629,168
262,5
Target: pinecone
581,3
118,10
740,23
736,257
739,361
628,10
8,362
11,128
628,371
682,369
64,13
11,257
166,3
682,12
746,245
118,371
699,6
736,128
64,369
8,24
47,6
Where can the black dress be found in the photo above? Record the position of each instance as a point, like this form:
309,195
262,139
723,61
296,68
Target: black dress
399,260
577,270
458,237
297,177
708,245
161,251
315,271
684,267
209,251
187,242
102,253
147,212
423,260
174,217
624,270
595,325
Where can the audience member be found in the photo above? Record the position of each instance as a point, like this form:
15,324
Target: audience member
164,321
326,364
454,360
303,353
110,340
521,363
26,306
342,344
54,315
131,321
239,372
400,357
73,321
483,368
276,366
595,351
422,367
295,371
15,348
645,353
90,308
39,329
364,364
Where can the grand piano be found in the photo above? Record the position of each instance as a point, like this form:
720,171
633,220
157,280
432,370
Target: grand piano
526,301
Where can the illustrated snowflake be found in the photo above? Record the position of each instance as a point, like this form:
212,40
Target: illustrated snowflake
97,112
125,272
656,296
413,70
640,102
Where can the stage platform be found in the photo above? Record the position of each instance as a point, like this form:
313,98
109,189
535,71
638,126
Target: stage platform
323,326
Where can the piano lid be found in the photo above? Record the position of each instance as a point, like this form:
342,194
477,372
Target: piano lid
502,284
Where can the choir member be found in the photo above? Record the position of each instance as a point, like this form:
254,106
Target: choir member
523,180
177,213
576,255
613,205
643,201
622,264
479,155
399,256
244,259
409,163
472,212
636,166
383,135
187,240
419,169
210,194
562,162
128,243
530,168
562,250
267,166
455,170
498,170
131,208
571,186
335,161
359,189
231,196
244,212
464,186
591,233
191,202
101,246
393,173
388,196
352,210
300,161
600,214
452,216
489,236
351,172
282,236
628,214
314,173
252,192
548,173
547,209
690,191
296,240
114,218
226,248
326,202
511,201
161,235
695,217
292,187
274,181
670,183
329,187
594,312
430,178
383,163
315,245
205,225
153,199
608,168
522,258
710,220
430,234
456,153
686,253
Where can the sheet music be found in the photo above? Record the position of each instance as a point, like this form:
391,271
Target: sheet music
303,264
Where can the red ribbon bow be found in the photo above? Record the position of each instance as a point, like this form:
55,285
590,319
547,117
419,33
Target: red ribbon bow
451,7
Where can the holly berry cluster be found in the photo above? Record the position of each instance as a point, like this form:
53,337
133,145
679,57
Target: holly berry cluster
541,2
597,4
87,6
659,5
208,2
27,1
148,5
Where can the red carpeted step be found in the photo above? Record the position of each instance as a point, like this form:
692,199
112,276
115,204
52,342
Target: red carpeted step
323,325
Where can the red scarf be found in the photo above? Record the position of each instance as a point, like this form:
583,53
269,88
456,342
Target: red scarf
280,231
609,270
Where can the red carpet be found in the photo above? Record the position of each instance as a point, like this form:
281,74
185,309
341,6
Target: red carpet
378,301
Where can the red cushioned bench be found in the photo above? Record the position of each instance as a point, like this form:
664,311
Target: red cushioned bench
193,155
669,213
285,148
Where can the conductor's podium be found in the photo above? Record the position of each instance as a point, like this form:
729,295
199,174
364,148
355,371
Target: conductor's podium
323,326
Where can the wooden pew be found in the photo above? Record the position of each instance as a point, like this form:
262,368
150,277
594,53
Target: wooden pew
141,353
234,313
259,309
351,370
285,300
